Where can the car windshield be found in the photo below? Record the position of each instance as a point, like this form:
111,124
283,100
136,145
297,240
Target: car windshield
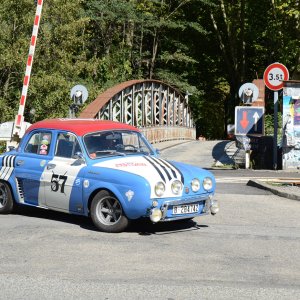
119,142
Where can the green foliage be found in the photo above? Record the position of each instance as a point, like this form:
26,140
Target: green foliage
2,147
208,48
14,41
269,126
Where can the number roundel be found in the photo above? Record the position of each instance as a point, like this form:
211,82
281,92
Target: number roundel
274,76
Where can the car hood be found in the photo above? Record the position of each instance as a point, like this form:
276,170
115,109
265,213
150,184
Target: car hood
153,169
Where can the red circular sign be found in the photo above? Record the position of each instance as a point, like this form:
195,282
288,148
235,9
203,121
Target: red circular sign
274,76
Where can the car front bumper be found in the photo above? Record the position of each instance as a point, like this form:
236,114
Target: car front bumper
165,213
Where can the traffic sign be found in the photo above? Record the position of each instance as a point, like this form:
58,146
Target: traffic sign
274,76
248,93
249,120
79,94
247,142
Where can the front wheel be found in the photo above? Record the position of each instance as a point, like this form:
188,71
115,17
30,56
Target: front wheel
107,213
6,200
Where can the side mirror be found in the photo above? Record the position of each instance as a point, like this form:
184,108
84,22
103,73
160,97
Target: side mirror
78,155
79,158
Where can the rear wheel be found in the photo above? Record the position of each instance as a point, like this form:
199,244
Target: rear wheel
107,213
6,200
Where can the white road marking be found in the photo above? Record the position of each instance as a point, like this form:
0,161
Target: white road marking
246,179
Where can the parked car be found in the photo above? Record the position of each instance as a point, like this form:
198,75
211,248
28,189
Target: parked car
102,169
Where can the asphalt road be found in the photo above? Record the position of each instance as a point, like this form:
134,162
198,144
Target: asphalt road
250,250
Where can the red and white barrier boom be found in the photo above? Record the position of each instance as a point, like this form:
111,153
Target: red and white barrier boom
20,117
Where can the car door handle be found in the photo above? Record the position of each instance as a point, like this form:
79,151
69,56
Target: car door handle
20,162
51,166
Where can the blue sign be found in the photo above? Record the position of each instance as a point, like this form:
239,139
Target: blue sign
249,120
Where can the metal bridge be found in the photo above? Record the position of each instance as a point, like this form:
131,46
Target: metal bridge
159,110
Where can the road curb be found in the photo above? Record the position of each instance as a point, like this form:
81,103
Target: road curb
272,189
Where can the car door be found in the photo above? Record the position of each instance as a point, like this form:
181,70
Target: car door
29,166
62,176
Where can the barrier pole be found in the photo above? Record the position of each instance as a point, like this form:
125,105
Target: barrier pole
20,116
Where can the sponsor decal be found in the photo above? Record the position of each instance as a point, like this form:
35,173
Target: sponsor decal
44,147
44,144
77,181
47,137
129,194
131,164
93,172
44,152
43,163
86,183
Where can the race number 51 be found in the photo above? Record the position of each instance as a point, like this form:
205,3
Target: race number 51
274,76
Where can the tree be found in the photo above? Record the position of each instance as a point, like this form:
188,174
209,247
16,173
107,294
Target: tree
16,25
205,47
60,60
245,36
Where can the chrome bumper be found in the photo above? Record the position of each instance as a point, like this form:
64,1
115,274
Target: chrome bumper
210,206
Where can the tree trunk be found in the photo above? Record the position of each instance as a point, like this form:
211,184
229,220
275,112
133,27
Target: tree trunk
154,53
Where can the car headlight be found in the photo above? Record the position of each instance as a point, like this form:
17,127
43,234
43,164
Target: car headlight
195,185
159,189
207,183
176,187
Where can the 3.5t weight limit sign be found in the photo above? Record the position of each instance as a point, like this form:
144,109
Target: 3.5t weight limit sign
274,76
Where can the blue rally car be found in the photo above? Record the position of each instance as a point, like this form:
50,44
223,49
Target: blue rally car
102,169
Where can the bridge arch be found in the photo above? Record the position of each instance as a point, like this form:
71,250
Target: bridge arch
159,110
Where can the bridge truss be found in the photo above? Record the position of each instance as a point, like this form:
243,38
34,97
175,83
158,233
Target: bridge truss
160,111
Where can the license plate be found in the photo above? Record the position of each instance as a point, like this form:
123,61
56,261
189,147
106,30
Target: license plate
185,209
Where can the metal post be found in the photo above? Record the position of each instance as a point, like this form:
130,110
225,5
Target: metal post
275,130
247,159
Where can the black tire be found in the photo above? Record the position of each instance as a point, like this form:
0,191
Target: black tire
107,213
6,199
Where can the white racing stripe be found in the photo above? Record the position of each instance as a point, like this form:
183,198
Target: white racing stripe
231,179
165,176
246,179
59,183
152,169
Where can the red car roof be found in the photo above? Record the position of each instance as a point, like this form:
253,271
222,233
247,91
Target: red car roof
80,126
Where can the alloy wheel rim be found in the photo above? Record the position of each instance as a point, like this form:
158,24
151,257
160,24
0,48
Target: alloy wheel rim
109,211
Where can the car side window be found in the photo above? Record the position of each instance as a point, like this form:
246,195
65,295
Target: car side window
39,143
67,145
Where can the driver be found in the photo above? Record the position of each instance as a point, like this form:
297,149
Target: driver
102,143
